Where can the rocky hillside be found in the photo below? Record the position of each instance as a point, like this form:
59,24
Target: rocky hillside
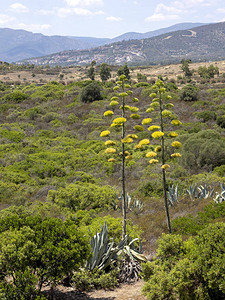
203,43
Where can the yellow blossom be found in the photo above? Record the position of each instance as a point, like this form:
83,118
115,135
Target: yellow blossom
144,142
115,88
151,154
105,133
157,134
108,113
135,116
165,166
152,95
114,103
155,100
149,110
146,121
124,94
158,149
153,161
134,109
111,160
109,143
119,120
176,122
173,134
127,140
176,154
114,98
110,150
166,113
135,99
133,136
138,146
128,157
153,127
154,104
176,144
139,128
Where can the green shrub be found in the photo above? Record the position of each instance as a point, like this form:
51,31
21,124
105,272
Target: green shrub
16,96
220,121
90,93
190,269
206,115
189,93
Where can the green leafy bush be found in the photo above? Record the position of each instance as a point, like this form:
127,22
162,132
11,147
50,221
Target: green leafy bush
15,96
190,269
189,93
90,93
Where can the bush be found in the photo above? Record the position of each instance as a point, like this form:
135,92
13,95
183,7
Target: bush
189,93
16,96
220,121
206,115
90,93
188,270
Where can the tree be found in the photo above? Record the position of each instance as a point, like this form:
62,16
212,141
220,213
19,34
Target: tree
48,248
124,71
161,108
189,93
91,70
185,67
125,139
90,93
105,72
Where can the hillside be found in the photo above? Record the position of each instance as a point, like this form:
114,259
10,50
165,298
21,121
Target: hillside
203,43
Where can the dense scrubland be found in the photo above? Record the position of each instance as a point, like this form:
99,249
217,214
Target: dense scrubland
58,186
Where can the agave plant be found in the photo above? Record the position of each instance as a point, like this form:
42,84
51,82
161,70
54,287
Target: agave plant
132,204
172,194
220,197
201,192
105,254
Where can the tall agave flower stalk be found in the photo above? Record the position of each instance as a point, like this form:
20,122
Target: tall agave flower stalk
160,107
121,100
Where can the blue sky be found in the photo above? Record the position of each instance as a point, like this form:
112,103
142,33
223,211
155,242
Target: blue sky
105,18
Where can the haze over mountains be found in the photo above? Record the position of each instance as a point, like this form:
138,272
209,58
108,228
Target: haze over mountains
17,45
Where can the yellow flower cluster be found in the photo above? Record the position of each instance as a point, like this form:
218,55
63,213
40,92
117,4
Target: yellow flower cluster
157,134
155,100
134,109
114,98
119,120
158,149
135,116
114,103
135,99
154,104
124,94
109,143
176,144
151,154
139,128
133,136
166,113
165,166
176,122
172,134
144,142
111,160
149,110
108,113
153,161
146,121
176,155
127,140
153,127
105,133
110,150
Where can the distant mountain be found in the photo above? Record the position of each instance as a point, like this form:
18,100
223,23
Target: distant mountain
21,44
203,43
138,36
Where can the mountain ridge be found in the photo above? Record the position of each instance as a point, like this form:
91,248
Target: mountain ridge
202,43
18,44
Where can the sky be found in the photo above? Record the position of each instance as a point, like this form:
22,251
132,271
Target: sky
105,18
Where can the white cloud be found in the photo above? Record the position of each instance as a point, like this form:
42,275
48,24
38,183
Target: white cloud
114,19
170,9
221,10
44,12
18,7
83,2
160,17
184,4
4,19
63,12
